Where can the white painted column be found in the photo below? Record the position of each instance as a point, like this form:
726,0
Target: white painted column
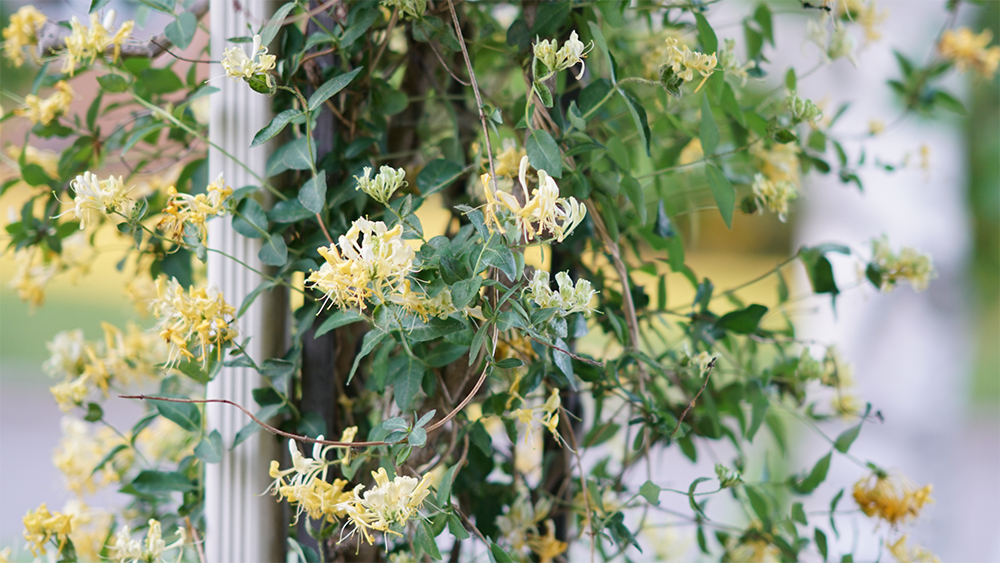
242,525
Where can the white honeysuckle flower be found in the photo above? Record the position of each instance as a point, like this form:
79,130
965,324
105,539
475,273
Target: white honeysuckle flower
383,185
557,59
568,299
239,66
96,195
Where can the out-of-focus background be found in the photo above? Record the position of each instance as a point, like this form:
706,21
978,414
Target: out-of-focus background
930,362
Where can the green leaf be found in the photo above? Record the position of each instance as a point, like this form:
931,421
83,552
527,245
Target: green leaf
949,102
758,502
550,17
463,292
372,338
34,175
846,438
273,252
181,31
160,81
160,482
602,45
498,555
709,133
799,514
444,489
406,375
543,94
820,271
634,193
337,320
312,195
816,476
186,415
424,539
758,399
762,15
694,485
250,219
268,33
456,528
437,175
108,457
94,412
638,117
543,153
820,538
291,156
360,24
444,354
730,105
288,211
276,125
509,363
706,35
96,5
113,83
723,192
743,321
651,492
209,449
139,135
331,87
418,437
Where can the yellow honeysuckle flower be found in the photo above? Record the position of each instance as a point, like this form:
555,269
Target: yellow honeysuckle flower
389,503
969,51
773,195
543,211
81,449
506,163
906,554
547,547
84,46
44,110
40,526
21,32
370,260
419,304
128,550
197,315
894,499
194,210
684,62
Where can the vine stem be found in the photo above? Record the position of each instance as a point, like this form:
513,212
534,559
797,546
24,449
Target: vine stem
475,89
708,374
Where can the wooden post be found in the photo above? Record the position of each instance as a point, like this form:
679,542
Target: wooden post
242,525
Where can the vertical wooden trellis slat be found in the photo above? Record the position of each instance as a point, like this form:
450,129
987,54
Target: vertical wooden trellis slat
242,525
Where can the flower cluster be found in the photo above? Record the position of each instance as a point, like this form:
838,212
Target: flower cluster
372,260
40,526
893,499
547,547
557,59
388,504
773,195
507,162
85,45
969,51
383,185
910,265
305,482
95,196
44,110
730,64
80,450
521,518
543,211
90,529
549,415
802,110
255,69
197,315
684,62
906,554
128,550
778,163
37,266
84,366
424,307
21,32
568,299
194,210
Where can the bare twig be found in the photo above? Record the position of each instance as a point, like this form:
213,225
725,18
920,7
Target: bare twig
568,353
52,39
445,65
708,374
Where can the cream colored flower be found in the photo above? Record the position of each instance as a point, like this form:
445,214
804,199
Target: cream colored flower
419,304
370,260
305,483
194,210
543,211
730,64
388,504
506,163
969,51
411,9
773,195
127,550
557,59
684,62
876,127
568,299
35,269
90,529
199,316
383,185
909,264
84,46
67,354
95,196
164,440
21,32
521,517
44,110
259,64
903,553
779,163
80,450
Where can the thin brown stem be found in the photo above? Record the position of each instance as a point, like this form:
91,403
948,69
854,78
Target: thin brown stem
708,374
195,540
